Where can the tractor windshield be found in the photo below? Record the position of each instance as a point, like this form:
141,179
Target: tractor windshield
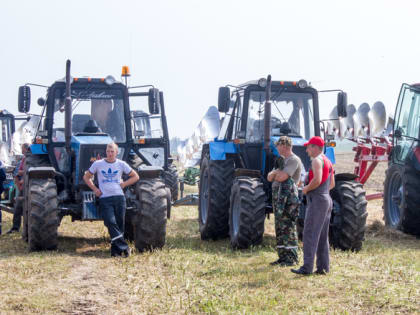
144,124
407,121
93,111
5,139
296,109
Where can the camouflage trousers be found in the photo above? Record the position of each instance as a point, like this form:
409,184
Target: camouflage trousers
286,211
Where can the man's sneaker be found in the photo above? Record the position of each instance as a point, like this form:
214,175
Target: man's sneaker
126,253
321,272
282,263
12,230
301,271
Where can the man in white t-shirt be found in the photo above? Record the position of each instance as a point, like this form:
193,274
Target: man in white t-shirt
111,195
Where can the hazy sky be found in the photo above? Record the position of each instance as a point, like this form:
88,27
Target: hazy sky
189,48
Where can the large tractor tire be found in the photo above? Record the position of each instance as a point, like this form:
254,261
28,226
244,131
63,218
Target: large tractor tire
30,161
150,221
402,199
43,220
247,212
393,196
348,218
129,227
214,191
171,181
410,214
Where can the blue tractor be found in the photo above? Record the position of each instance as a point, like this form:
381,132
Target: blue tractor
79,117
234,194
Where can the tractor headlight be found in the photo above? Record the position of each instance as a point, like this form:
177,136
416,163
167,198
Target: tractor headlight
262,82
302,84
110,80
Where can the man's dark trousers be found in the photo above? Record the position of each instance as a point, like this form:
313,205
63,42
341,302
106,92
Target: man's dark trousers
113,212
17,213
315,233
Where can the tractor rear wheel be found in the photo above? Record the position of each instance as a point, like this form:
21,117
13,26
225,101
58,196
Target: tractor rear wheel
213,207
171,181
42,217
150,221
247,212
410,214
348,218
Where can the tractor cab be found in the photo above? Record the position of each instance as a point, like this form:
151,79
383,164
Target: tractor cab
293,112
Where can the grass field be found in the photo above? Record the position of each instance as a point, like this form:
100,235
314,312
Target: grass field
189,276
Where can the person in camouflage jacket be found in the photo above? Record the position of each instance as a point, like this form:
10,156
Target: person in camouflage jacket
285,177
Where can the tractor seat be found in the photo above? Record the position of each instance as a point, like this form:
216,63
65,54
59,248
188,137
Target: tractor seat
92,127
79,122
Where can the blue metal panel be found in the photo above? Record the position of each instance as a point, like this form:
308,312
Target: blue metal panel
263,161
218,150
39,149
90,211
329,153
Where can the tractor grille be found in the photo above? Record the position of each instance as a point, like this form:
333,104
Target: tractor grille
300,151
88,154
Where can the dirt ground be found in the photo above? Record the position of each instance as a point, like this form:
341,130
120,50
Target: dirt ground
191,276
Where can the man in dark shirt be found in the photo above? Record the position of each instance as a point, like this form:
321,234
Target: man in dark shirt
18,178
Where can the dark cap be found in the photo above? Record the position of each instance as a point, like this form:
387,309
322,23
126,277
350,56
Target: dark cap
316,141
284,140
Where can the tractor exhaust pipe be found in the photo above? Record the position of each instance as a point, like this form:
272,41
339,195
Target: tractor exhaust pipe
267,115
67,108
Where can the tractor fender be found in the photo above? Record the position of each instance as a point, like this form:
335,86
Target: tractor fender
145,171
345,177
41,172
219,149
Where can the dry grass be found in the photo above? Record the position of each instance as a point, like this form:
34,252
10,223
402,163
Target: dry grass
190,276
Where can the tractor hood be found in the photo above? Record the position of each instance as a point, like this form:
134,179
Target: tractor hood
90,139
87,149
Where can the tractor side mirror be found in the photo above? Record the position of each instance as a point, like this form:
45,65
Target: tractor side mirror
24,99
154,101
342,104
41,101
224,99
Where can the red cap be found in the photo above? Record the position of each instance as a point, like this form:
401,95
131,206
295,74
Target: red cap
315,140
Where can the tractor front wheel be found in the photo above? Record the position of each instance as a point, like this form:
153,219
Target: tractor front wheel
213,207
150,221
247,212
348,218
42,219
393,196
